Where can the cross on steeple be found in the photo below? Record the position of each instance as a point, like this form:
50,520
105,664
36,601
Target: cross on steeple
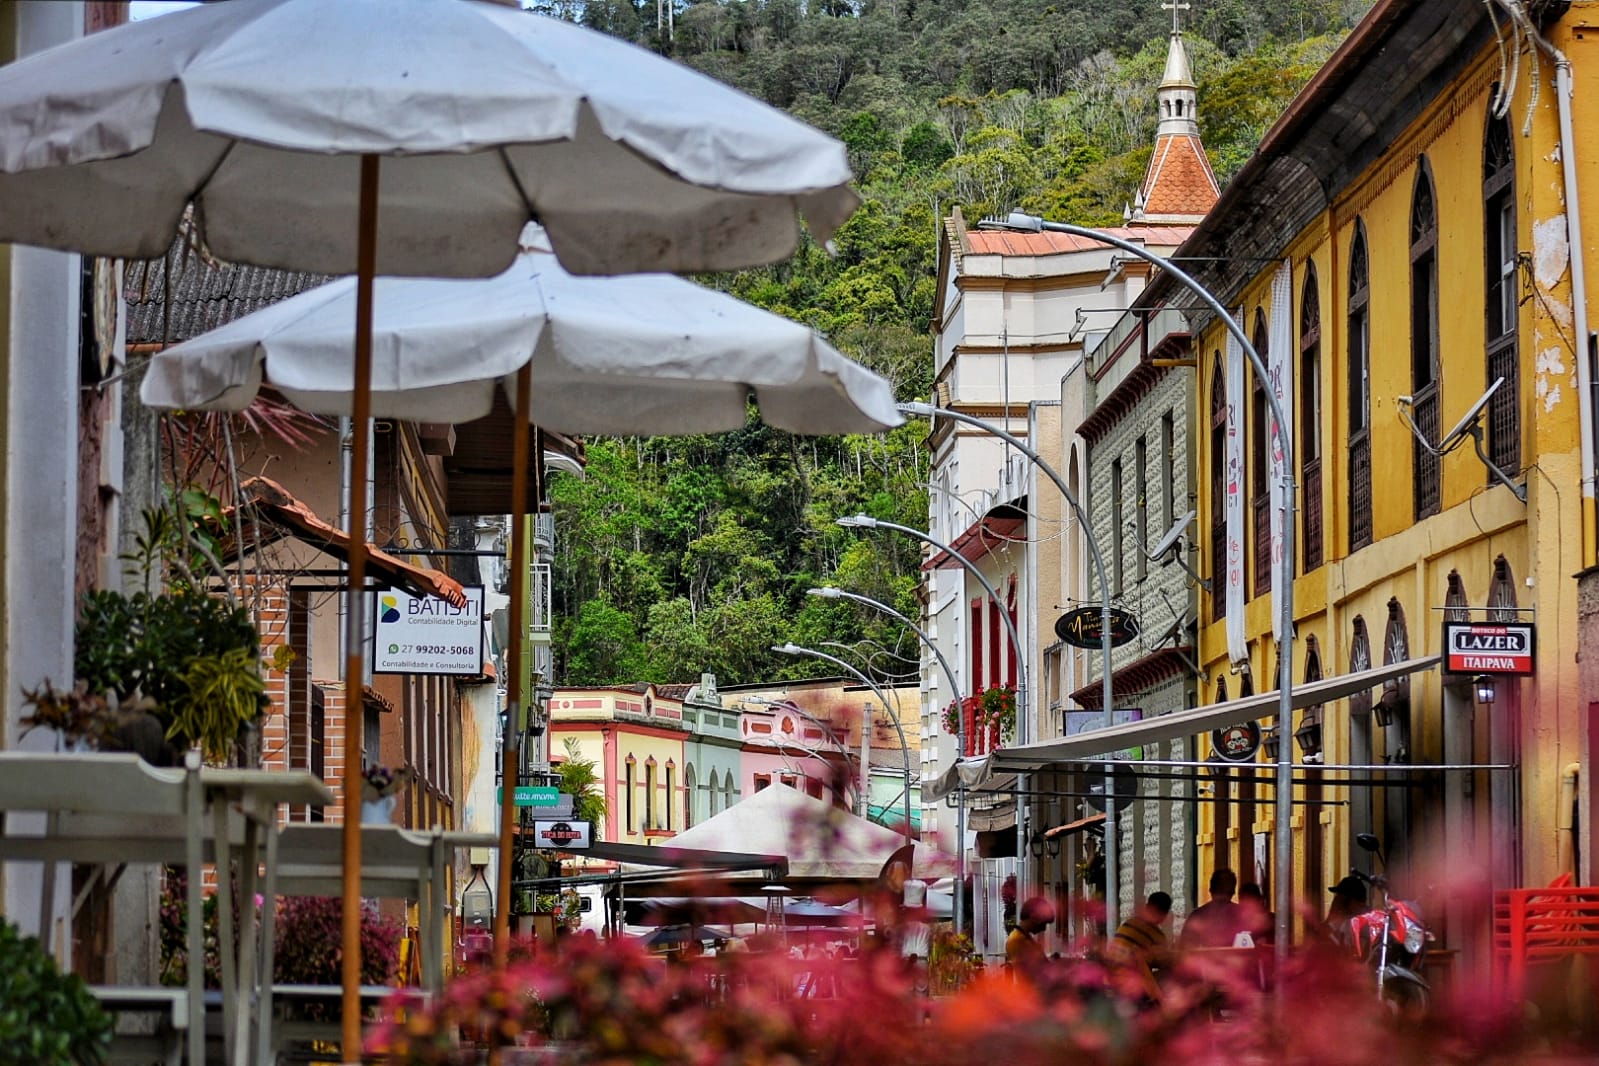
1176,7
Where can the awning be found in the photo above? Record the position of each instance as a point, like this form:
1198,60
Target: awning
286,516
999,526
682,858
991,819
996,770
1075,827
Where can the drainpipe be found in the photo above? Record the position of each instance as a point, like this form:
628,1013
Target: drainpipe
1565,834
1579,277
1579,296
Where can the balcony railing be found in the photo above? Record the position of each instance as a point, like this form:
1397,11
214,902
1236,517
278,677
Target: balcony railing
1427,470
1310,503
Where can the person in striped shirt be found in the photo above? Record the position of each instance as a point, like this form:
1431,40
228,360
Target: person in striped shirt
1140,944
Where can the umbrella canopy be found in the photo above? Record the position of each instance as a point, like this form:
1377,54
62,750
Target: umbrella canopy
677,935
257,112
677,910
804,911
646,354
820,840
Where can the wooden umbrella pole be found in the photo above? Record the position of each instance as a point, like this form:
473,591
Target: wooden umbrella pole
514,696
354,615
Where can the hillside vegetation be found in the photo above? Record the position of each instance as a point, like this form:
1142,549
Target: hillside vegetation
677,556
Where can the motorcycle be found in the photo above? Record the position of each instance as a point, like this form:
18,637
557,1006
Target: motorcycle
1392,940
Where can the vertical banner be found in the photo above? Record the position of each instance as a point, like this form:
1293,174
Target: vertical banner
1237,644
1280,367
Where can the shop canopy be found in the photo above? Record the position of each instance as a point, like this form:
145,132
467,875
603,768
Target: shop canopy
996,771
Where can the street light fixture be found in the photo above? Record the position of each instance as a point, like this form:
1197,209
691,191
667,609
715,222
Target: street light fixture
1487,689
1282,882
866,724
1107,697
832,593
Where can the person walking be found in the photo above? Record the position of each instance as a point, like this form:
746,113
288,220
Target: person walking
1217,923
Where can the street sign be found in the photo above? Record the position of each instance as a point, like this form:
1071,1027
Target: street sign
427,634
1082,627
561,835
1489,647
531,796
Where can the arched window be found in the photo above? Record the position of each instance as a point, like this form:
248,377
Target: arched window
649,795
1358,339
1260,461
1218,490
627,794
1309,738
1502,593
1503,303
1456,603
1310,417
1424,386
689,792
671,795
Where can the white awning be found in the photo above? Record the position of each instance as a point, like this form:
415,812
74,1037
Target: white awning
996,770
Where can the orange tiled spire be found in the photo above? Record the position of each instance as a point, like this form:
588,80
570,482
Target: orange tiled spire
1179,187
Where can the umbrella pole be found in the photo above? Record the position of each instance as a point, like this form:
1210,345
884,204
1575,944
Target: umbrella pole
355,616
514,695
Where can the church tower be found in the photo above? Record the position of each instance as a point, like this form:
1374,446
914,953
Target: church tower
1179,187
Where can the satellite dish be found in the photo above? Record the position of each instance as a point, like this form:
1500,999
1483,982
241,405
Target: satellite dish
1169,541
1469,417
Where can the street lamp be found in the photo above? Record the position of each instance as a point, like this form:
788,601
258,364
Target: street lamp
831,593
862,521
866,723
1112,836
1285,606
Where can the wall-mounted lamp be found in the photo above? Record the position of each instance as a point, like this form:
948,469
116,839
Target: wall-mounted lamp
1040,844
1487,689
1382,710
1271,738
1308,735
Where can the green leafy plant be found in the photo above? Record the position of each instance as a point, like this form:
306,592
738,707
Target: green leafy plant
224,695
47,1018
581,781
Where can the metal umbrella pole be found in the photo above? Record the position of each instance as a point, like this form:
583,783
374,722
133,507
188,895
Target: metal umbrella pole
1112,833
831,593
1282,889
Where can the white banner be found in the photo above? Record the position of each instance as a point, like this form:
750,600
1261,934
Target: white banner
427,635
1280,365
1237,642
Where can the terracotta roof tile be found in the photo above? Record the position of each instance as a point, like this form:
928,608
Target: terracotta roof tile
1180,183
1011,242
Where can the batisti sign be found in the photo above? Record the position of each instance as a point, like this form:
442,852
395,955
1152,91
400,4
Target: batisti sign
1488,647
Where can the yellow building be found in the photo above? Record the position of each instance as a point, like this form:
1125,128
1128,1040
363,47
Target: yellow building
1400,242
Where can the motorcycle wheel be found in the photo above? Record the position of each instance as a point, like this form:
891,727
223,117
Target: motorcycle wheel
1406,1000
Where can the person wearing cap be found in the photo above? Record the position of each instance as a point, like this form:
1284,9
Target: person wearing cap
1023,953
1348,901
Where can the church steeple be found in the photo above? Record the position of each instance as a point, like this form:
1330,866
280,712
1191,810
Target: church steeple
1179,186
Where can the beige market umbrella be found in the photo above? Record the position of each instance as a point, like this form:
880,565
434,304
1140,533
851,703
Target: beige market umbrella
270,118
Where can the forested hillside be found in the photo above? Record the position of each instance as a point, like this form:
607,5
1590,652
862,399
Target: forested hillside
677,556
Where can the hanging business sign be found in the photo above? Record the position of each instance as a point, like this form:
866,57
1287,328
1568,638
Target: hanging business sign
1082,628
1237,743
427,634
561,835
1488,647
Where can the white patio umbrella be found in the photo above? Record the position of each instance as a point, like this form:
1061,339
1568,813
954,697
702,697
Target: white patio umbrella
270,118
644,353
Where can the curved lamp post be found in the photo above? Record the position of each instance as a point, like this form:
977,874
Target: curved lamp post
1112,832
831,593
866,720
1282,890
861,521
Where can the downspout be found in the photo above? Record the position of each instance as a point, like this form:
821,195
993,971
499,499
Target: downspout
1579,276
1565,830
1579,294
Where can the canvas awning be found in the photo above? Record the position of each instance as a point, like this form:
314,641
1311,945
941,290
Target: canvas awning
996,771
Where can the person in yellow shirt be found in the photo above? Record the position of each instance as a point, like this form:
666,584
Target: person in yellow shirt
1023,953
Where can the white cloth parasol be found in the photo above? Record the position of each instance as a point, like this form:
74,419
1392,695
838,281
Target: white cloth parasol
646,354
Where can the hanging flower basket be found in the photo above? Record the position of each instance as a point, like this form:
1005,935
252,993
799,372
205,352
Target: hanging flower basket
996,711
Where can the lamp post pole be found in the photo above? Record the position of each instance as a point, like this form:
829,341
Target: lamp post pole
866,719
831,593
861,521
1112,833
1282,889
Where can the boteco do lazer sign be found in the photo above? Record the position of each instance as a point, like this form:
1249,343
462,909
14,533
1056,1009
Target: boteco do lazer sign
1488,647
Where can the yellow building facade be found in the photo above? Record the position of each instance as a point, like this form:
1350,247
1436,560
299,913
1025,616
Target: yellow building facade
1422,220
